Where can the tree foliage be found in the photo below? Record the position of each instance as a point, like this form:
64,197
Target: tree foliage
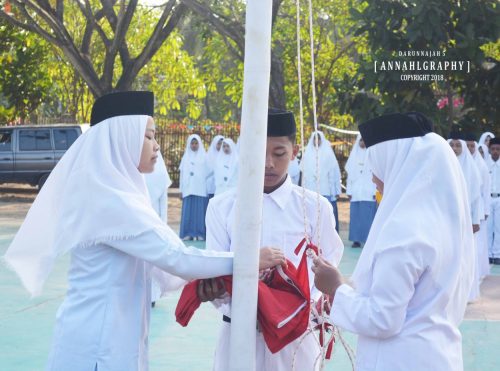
459,29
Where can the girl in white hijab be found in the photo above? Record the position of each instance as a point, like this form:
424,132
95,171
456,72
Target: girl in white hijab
212,154
484,141
413,278
226,167
95,205
482,235
193,186
473,181
329,171
361,193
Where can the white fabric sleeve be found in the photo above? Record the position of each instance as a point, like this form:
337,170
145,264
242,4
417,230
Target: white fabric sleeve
163,206
334,180
331,245
487,194
171,255
348,190
166,281
382,312
217,239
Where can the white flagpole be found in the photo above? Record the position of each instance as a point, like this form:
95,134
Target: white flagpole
257,69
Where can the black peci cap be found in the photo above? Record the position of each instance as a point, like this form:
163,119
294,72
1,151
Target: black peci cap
122,104
394,126
280,123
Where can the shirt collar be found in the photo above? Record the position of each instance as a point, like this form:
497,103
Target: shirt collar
282,194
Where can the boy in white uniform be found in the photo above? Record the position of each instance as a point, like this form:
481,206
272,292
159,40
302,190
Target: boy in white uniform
283,226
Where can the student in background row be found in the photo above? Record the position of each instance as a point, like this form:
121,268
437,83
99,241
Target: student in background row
193,186
494,218
361,193
212,154
482,235
226,167
473,182
325,173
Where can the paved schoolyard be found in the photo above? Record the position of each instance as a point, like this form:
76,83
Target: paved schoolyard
26,324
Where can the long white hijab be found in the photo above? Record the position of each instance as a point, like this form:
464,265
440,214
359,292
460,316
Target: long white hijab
472,177
424,207
326,158
158,181
95,194
226,165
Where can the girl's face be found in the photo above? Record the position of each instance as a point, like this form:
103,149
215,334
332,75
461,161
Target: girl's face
149,149
226,148
219,144
362,143
487,140
456,146
194,145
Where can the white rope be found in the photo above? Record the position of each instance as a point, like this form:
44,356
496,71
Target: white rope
321,356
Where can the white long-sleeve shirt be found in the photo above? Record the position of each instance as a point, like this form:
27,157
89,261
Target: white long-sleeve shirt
282,226
104,319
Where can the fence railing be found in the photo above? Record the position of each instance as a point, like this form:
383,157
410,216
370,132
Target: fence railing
172,141
172,137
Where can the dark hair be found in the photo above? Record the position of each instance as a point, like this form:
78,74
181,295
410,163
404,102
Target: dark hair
292,137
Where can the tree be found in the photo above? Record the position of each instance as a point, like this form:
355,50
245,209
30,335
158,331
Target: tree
458,29
23,84
336,51
106,26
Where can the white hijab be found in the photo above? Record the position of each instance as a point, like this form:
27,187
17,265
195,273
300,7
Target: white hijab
212,150
190,157
472,177
357,163
482,139
326,156
226,165
94,194
485,177
423,207
158,181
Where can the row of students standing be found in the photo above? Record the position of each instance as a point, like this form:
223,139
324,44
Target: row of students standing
203,174
475,161
321,172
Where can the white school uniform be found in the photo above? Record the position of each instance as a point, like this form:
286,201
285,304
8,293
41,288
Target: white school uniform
360,185
282,226
329,170
413,278
193,170
494,218
212,154
95,205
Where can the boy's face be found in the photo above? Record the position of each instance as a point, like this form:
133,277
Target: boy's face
495,151
279,152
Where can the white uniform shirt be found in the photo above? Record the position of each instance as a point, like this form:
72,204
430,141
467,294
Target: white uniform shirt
104,319
282,226
413,278
494,168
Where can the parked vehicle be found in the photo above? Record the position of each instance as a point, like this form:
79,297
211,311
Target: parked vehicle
29,153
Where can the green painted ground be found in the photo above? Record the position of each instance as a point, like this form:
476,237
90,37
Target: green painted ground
26,327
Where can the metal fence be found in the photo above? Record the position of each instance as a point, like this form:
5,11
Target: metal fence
172,140
172,137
